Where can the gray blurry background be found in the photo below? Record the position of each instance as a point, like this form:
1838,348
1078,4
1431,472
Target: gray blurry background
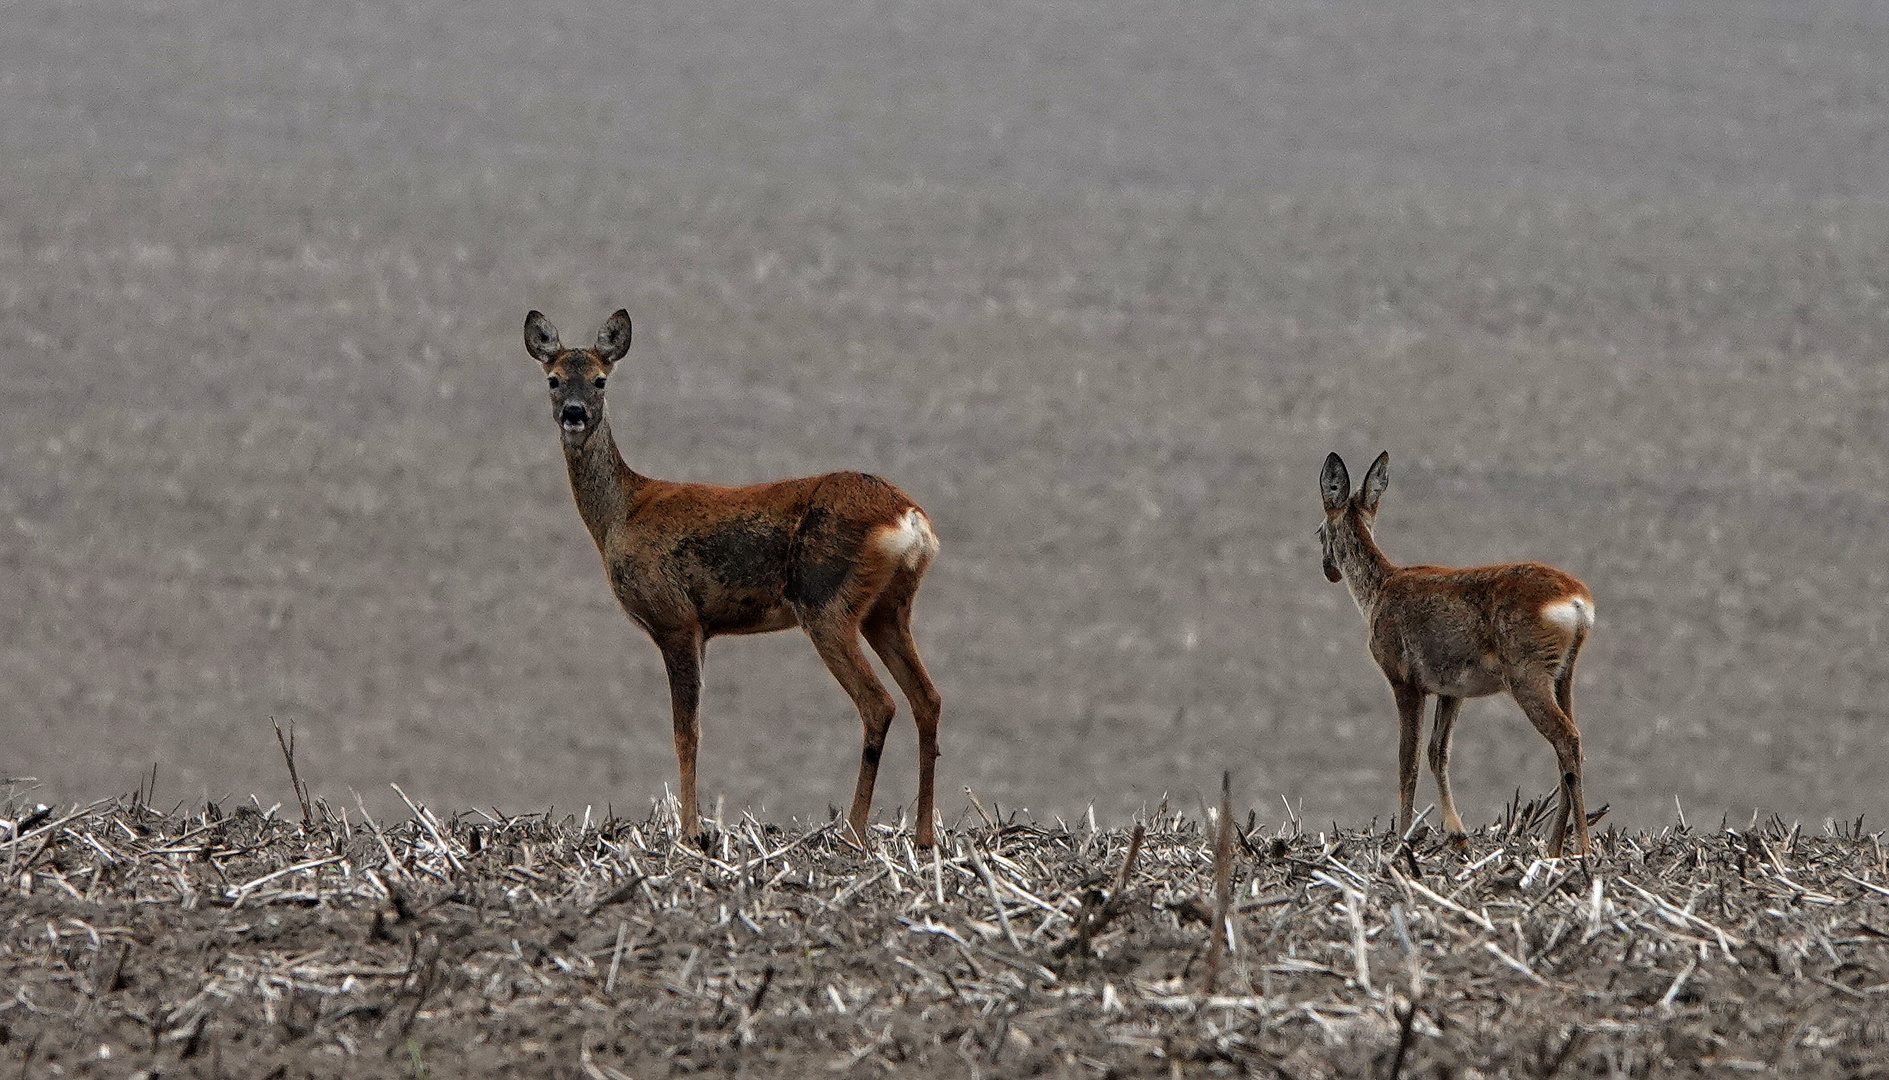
1099,283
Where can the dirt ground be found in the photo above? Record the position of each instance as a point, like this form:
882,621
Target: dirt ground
1100,285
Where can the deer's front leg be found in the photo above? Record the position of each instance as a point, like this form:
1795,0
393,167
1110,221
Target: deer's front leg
682,656
1440,729
1409,736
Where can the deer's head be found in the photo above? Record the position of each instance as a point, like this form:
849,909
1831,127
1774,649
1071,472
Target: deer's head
577,376
1348,517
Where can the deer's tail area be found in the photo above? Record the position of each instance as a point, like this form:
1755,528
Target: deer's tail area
909,539
1575,614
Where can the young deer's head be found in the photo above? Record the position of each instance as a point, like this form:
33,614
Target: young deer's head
1345,536
577,376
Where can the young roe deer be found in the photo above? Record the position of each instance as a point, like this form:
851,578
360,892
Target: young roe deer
1460,634
837,555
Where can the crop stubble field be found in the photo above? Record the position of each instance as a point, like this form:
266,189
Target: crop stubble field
1099,287
250,943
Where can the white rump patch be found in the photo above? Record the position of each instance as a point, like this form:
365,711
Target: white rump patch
909,540
1571,613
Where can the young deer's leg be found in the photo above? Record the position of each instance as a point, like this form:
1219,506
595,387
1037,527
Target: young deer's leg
1442,728
1536,696
682,656
1409,735
835,634
1564,681
1564,697
888,629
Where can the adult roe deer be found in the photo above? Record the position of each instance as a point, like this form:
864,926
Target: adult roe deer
838,555
1460,634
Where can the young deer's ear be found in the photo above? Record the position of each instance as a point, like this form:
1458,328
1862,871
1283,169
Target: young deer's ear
613,341
1376,479
1334,483
541,338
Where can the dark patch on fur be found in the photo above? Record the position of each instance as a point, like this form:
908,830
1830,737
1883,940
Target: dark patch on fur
870,755
744,554
813,584
735,613
825,549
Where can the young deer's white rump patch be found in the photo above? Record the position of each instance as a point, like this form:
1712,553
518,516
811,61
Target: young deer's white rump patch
911,541
1572,614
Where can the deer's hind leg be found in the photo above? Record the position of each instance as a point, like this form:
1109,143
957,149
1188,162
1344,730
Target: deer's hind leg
1564,678
1537,697
888,629
834,628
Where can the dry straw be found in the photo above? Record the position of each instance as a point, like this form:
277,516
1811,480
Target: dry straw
485,943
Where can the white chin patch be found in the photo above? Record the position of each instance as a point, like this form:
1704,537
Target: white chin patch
574,427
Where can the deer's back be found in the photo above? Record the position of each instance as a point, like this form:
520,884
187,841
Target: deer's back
1465,632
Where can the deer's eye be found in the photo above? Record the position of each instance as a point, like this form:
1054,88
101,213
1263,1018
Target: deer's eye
554,382
597,382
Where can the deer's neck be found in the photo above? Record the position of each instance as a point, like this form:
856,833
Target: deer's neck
604,486
1363,565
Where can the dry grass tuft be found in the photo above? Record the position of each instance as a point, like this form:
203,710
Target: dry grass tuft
241,942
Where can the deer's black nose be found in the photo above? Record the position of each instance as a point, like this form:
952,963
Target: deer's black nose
574,413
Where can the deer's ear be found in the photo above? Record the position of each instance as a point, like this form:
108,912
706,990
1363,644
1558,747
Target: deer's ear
1376,479
1334,483
613,341
541,338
